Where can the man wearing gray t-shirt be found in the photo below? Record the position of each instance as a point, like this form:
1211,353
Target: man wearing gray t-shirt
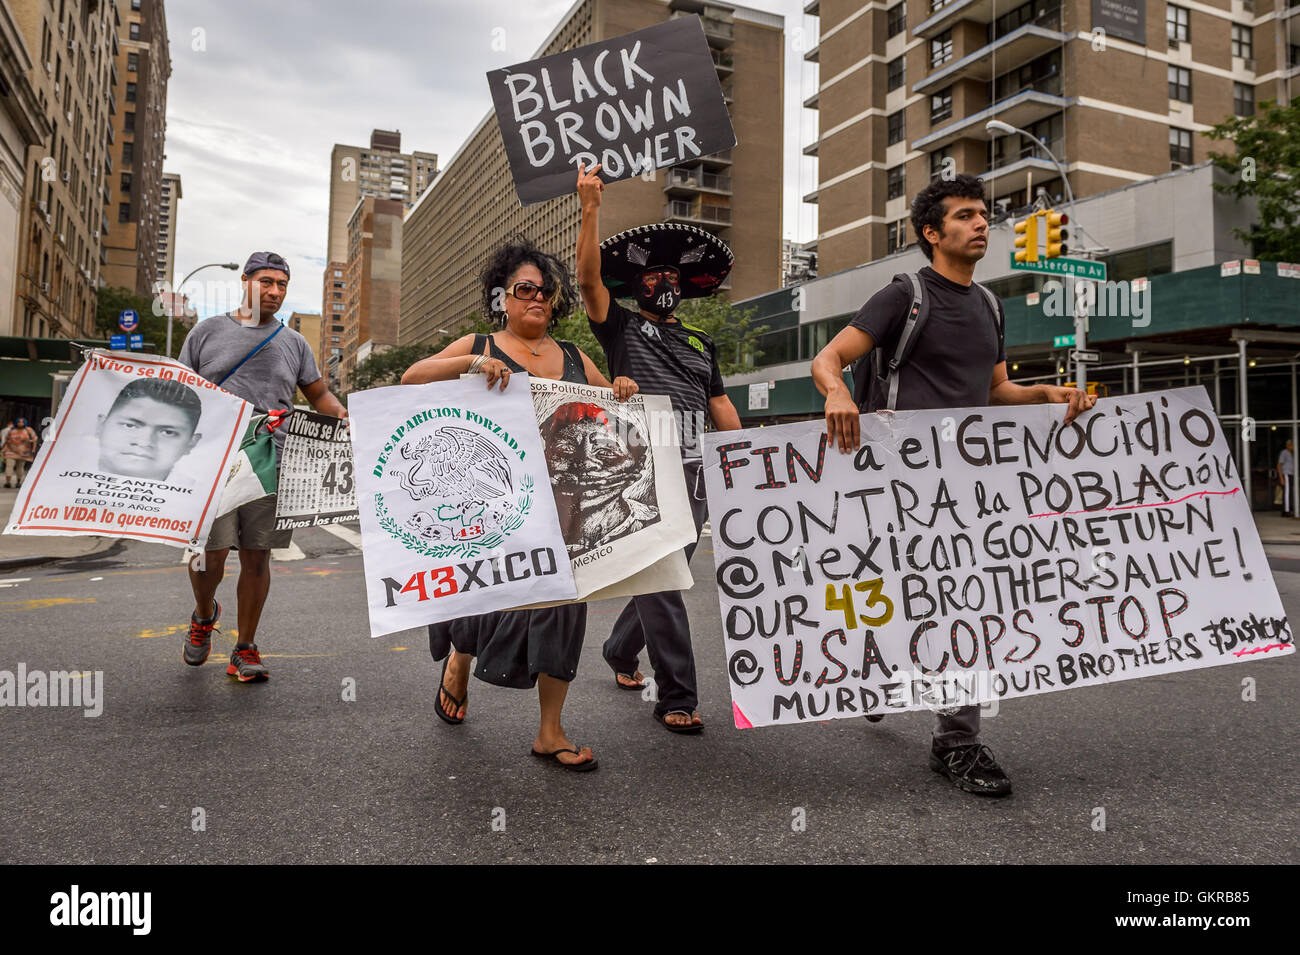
250,354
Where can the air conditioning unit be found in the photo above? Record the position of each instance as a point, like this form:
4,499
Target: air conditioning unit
49,68
45,287
63,29
1248,5
41,206
67,177
1173,44
48,220
57,87
1249,65
95,234
72,46
69,116
62,240
87,157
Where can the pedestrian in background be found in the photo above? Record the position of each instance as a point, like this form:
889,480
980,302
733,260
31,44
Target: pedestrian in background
18,449
1285,476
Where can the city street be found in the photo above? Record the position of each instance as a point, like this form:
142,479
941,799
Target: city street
1185,770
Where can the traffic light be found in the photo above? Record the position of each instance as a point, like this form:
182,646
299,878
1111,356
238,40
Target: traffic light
1056,236
1027,239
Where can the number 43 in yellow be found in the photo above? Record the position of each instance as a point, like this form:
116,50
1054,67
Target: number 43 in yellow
843,600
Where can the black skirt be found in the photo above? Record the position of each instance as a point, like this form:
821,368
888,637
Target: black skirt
512,647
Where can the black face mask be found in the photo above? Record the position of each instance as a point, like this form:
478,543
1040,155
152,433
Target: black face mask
663,301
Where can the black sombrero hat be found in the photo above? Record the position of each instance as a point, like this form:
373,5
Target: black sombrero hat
701,258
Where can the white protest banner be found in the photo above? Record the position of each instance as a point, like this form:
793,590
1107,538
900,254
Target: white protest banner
140,450
616,473
456,514
633,103
317,485
984,553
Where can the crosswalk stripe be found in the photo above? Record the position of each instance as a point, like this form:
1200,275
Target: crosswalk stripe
292,552
345,534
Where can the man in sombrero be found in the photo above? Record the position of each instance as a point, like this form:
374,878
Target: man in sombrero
658,265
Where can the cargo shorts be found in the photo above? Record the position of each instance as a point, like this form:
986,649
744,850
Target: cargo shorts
250,527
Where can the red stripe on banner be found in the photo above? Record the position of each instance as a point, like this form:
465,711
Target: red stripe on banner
52,527
207,504
1130,507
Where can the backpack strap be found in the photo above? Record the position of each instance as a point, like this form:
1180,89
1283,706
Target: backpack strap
917,313
992,301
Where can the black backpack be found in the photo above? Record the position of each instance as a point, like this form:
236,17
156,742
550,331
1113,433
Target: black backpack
875,376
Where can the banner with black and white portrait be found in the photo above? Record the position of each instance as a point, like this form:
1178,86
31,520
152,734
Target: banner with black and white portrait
616,474
456,512
140,451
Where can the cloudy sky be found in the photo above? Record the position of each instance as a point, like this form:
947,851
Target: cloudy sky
259,93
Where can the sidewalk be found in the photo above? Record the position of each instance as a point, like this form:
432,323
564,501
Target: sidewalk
1276,529
21,550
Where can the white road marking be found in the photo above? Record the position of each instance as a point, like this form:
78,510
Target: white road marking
292,552
13,581
345,534
96,578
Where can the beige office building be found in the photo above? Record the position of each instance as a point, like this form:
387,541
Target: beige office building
473,206
23,125
904,87
139,126
381,170
374,281
68,178
308,326
168,209
334,296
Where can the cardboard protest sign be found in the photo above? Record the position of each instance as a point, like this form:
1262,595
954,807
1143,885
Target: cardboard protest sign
317,484
140,451
616,474
634,104
453,495
985,553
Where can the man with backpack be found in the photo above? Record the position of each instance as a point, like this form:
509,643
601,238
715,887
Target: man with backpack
249,353
941,346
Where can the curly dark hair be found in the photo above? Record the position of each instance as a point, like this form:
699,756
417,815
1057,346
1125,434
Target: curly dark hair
927,207
519,251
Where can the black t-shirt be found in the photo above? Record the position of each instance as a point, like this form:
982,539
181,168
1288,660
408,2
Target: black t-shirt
951,365
664,358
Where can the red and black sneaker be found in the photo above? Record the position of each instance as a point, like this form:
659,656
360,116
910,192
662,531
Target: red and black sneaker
199,643
246,665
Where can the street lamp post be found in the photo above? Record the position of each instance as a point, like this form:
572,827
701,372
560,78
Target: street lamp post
1080,309
172,306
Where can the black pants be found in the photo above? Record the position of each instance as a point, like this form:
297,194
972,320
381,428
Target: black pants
658,623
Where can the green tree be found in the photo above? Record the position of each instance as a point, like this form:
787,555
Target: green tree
1265,167
731,329
111,302
386,367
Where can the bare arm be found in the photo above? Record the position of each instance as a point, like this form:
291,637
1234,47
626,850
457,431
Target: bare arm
1002,391
595,297
623,387
323,400
723,414
828,367
449,364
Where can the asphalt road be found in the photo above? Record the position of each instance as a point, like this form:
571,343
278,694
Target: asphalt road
287,771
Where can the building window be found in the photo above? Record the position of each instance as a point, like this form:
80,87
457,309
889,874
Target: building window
128,153
1042,74
338,306
896,183
128,122
1243,43
896,128
937,160
941,106
897,71
1243,99
1180,147
126,182
132,62
135,4
134,31
338,273
941,49
1176,28
895,20
124,212
895,236
130,92
1180,84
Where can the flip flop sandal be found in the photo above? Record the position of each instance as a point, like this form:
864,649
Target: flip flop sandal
688,728
875,717
624,686
554,757
437,705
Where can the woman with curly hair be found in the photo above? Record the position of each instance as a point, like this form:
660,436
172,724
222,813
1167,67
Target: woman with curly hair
527,291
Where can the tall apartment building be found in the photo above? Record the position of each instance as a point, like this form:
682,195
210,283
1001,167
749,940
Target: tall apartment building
374,281
334,298
144,66
168,208
381,170
904,87
22,126
309,327
61,252
472,206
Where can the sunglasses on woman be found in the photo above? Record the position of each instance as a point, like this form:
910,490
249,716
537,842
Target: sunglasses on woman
529,292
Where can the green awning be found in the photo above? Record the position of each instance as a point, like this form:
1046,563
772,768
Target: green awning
20,378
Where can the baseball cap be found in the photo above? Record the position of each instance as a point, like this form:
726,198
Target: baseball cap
266,260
